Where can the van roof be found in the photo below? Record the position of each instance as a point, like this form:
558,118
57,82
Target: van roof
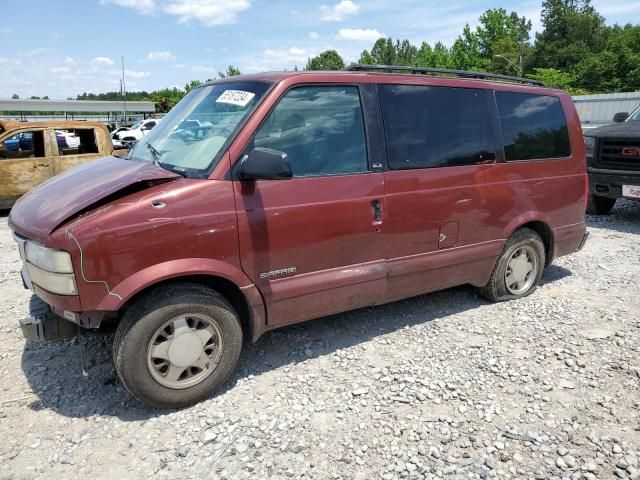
358,69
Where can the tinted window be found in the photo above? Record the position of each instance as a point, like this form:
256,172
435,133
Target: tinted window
320,129
533,126
436,126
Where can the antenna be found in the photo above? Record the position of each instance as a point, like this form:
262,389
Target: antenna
124,93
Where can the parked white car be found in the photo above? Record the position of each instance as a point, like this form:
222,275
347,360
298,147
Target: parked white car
66,139
124,136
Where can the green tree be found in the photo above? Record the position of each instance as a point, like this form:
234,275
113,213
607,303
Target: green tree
497,26
166,99
327,60
191,85
554,78
384,52
230,72
573,30
466,52
15,96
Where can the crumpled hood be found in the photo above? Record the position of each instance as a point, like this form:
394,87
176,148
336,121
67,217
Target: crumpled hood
626,130
50,204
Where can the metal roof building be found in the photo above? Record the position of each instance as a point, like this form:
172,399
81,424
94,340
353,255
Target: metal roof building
75,106
597,110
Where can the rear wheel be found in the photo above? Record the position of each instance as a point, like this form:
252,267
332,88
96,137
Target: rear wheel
597,205
518,269
177,345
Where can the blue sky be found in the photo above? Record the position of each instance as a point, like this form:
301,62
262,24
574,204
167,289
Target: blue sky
61,49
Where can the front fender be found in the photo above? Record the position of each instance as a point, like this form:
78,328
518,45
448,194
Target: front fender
160,272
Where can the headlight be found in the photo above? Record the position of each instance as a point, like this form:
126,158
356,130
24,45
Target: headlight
47,259
58,283
589,144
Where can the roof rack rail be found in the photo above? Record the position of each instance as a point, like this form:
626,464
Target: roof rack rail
356,67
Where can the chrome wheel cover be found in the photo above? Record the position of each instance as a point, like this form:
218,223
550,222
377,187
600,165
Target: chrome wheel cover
522,270
184,351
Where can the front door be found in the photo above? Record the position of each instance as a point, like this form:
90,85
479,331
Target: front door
313,244
25,161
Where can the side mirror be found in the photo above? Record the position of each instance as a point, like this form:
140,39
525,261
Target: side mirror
620,117
265,164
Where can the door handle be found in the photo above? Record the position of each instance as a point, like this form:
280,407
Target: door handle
376,207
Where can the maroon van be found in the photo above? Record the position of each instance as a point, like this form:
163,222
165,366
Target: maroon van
264,200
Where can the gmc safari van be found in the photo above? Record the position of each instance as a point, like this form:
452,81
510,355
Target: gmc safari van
269,199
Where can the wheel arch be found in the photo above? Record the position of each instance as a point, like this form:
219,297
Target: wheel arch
230,282
540,225
225,287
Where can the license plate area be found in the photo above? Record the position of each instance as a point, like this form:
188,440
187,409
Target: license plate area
631,191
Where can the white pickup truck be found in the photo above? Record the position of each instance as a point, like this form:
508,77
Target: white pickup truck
125,136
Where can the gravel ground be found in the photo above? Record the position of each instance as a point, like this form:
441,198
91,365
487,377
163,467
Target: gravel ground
439,386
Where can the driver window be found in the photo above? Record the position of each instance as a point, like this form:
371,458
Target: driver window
23,145
321,129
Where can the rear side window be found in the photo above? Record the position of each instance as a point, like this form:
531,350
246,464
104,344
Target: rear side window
436,126
76,141
320,129
533,126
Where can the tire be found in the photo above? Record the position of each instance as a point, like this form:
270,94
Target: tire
597,205
158,316
523,240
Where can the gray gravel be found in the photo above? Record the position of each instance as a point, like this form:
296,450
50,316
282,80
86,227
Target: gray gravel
438,386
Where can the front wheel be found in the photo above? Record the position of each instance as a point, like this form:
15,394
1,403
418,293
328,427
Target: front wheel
597,205
177,346
518,269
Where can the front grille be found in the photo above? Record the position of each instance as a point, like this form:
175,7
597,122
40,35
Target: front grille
611,154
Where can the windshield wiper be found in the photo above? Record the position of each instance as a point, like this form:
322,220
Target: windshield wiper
156,160
155,152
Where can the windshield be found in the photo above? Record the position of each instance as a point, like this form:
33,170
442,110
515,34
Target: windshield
635,116
191,137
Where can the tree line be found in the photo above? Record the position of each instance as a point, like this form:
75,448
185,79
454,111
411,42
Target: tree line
575,50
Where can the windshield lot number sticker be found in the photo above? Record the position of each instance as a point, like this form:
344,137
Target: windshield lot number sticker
236,97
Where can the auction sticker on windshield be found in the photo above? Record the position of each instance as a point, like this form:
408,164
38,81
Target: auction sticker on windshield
236,97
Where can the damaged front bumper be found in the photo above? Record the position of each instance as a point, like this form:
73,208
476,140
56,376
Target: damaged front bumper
42,325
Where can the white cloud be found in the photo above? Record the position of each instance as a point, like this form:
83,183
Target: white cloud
135,74
313,35
102,61
60,70
161,56
179,65
202,69
339,11
4,60
207,12
37,51
279,59
359,34
6,29
142,6
69,60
